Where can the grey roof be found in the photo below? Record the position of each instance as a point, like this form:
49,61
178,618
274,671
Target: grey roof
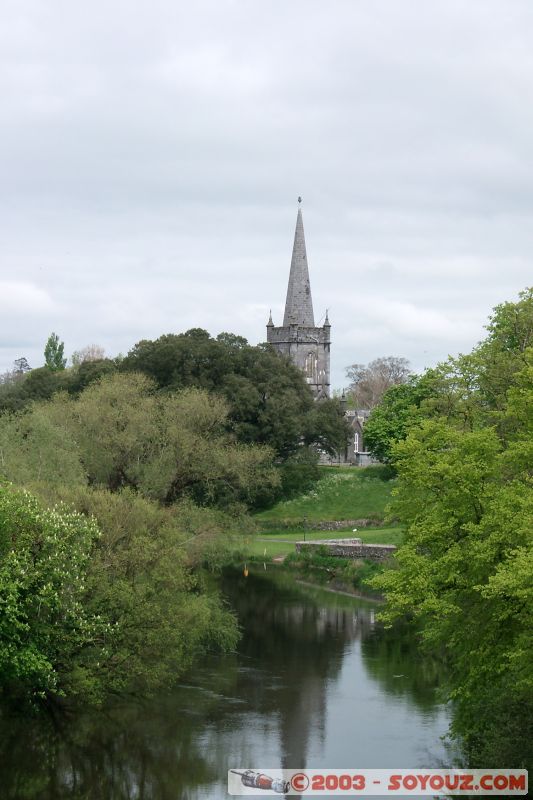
299,304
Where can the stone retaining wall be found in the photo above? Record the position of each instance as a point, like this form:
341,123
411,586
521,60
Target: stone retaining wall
313,525
350,548
342,524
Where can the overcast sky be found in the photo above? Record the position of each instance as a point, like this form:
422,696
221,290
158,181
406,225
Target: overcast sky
152,154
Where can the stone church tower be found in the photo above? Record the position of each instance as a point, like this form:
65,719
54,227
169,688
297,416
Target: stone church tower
306,345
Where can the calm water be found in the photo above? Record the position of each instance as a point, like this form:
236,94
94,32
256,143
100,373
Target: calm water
315,683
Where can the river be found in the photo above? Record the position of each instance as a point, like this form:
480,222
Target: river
316,682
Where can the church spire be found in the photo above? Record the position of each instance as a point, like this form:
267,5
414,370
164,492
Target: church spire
299,305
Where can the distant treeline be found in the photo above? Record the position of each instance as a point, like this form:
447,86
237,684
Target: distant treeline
269,400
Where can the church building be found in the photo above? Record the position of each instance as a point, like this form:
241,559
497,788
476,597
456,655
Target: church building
307,345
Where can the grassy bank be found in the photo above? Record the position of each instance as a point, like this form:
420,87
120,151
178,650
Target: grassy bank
341,493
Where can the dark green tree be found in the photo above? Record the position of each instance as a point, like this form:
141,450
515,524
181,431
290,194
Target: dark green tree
269,400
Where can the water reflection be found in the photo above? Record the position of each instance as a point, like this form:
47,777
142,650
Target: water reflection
314,683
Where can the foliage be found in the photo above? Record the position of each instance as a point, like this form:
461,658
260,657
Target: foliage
44,556
12,376
347,493
100,601
120,433
368,383
38,384
166,445
54,353
465,570
351,573
267,397
269,401
297,475
36,447
390,421
87,372
326,428
18,390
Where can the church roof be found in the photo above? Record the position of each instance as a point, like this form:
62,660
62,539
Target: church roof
299,304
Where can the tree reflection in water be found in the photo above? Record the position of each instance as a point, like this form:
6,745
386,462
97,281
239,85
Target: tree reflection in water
263,707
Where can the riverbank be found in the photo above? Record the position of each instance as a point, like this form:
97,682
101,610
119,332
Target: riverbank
322,514
313,680
319,568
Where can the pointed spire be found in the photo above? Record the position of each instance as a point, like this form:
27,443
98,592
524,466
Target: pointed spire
327,323
270,324
299,304
343,402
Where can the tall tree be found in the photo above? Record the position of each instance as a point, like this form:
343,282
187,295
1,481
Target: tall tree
464,573
369,382
54,353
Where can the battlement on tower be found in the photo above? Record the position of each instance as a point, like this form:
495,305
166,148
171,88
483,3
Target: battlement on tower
297,333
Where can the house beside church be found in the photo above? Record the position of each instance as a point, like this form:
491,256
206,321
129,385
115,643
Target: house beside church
309,345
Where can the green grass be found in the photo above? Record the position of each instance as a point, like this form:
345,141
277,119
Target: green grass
257,548
390,535
342,493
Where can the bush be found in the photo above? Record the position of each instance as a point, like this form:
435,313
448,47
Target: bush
100,601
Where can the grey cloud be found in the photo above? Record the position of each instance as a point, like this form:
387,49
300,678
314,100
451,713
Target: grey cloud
153,155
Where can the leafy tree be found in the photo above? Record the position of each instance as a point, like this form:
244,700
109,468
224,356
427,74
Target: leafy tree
503,352
35,447
368,383
269,401
399,409
44,556
38,384
232,340
326,427
465,571
120,432
89,371
54,353
103,601
465,574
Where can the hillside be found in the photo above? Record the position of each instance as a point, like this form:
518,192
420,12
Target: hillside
340,494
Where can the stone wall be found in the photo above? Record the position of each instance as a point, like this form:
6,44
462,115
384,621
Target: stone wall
343,524
318,525
349,548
